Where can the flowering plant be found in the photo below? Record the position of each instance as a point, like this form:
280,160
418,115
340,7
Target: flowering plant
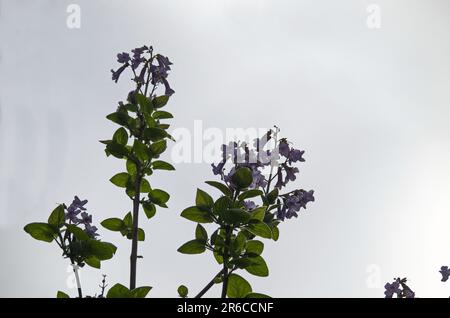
238,220
140,141
72,230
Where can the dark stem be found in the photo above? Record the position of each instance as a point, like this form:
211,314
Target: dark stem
209,285
228,232
134,242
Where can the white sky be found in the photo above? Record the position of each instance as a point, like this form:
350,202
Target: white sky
370,107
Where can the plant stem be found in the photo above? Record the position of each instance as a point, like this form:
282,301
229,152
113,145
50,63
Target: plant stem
228,232
134,242
209,285
77,278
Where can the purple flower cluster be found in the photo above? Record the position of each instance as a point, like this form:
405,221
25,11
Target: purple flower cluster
286,172
398,287
445,272
76,214
293,202
155,68
259,160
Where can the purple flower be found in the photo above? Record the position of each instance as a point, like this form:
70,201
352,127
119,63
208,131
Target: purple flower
445,272
163,61
296,155
74,209
249,205
91,230
293,203
168,90
393,288
116,74
72,216
123,58
290,174
259,181
283,148
408,293
280,182
86,218
219,168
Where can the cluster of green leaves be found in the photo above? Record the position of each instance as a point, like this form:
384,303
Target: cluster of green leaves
140,140
74,242
119,291
234,242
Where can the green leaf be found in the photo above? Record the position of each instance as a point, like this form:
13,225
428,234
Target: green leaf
256,295
160,101
145,186
254,247
141,234
140,292
196,214
131,167
275,233
159,197
242,178
77,232
155,134
57,217
101,250
128,220
183,291
235,216
140,150
158,147
61,294
113,224
243,262
162,165
160,114
272,196
249,194
200,233
121,136
203,199
192,247
259,267
149,209
144,102
117,150
238,243
238,287
258,213
120,117
41,231
120,179
260,229
220,186
222,205
93,262
118,291
131,108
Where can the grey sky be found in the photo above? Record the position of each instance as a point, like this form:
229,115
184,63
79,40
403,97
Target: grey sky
369,106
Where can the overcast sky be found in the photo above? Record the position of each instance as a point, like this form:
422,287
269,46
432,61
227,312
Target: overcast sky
370,106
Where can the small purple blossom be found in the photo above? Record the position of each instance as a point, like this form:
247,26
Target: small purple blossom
116,74
123,58
249,205
445,272
75,208
91,230
85,218
392,288
293,202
